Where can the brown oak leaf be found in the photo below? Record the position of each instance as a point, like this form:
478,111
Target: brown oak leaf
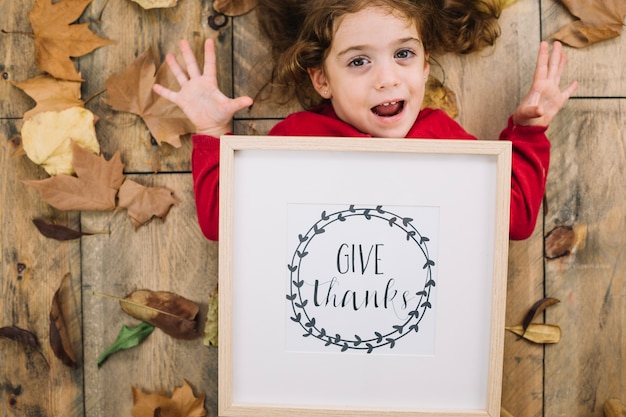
50,94
598,20
144,203
94,187
183,403
132,92
57,39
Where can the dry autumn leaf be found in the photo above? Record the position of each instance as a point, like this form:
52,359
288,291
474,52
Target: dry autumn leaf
60,341
170,312
132,92
156,4
598,20
23,337
614,408
538,333
438,96
183,403
211,326
50,94
234,7
57,231
57,39
94,188
537,308
47,138
144,203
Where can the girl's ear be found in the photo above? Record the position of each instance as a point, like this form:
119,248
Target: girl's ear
319,81
426,66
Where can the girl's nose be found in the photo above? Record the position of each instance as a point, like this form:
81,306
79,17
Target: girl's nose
386,77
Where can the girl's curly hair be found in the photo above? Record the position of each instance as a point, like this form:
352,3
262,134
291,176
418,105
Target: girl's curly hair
300,33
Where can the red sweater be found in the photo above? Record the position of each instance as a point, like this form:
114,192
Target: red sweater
531,157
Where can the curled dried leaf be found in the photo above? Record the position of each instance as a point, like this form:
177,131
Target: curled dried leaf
60,341
23,337
538,333
170,312
19,335
57,231
537,308
614,408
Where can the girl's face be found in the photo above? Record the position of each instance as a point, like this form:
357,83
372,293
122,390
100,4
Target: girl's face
375,72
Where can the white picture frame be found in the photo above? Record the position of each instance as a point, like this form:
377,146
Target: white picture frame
397,310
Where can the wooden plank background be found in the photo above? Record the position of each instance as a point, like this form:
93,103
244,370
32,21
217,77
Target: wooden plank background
585,193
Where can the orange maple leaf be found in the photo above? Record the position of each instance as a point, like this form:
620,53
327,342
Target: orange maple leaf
182,403
144,203
94,187
50,94
57,39
132,92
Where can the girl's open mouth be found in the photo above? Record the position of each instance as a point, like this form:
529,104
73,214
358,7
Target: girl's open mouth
388,109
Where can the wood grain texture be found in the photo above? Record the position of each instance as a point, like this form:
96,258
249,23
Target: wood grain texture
32,268
600,68
161,256
586,192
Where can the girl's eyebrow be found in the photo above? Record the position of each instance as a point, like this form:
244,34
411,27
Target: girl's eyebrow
359,48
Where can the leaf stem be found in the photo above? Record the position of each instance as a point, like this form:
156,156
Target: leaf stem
124,300
94,96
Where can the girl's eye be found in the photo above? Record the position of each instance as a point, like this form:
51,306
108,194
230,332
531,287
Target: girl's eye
404,54
358,62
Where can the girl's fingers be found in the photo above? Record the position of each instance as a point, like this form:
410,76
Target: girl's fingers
189,58
164,92
557,61
210,70
542,62
178,72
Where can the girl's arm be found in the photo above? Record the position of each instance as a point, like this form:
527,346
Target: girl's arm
211,112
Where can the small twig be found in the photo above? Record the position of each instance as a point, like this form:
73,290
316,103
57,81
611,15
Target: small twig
6,32
95,95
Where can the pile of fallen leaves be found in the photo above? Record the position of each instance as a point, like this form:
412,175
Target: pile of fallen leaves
59,132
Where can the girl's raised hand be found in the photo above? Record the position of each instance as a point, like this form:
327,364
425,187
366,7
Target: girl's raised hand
199,96
545,98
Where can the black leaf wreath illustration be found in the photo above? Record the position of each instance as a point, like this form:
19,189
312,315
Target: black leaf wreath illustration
378,338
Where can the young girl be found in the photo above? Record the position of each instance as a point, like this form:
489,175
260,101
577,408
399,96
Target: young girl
367,61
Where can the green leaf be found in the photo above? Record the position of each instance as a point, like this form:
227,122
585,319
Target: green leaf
127,338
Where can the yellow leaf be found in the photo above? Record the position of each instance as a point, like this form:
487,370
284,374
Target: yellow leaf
156,4
538,333
47,138
183,403
210,327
